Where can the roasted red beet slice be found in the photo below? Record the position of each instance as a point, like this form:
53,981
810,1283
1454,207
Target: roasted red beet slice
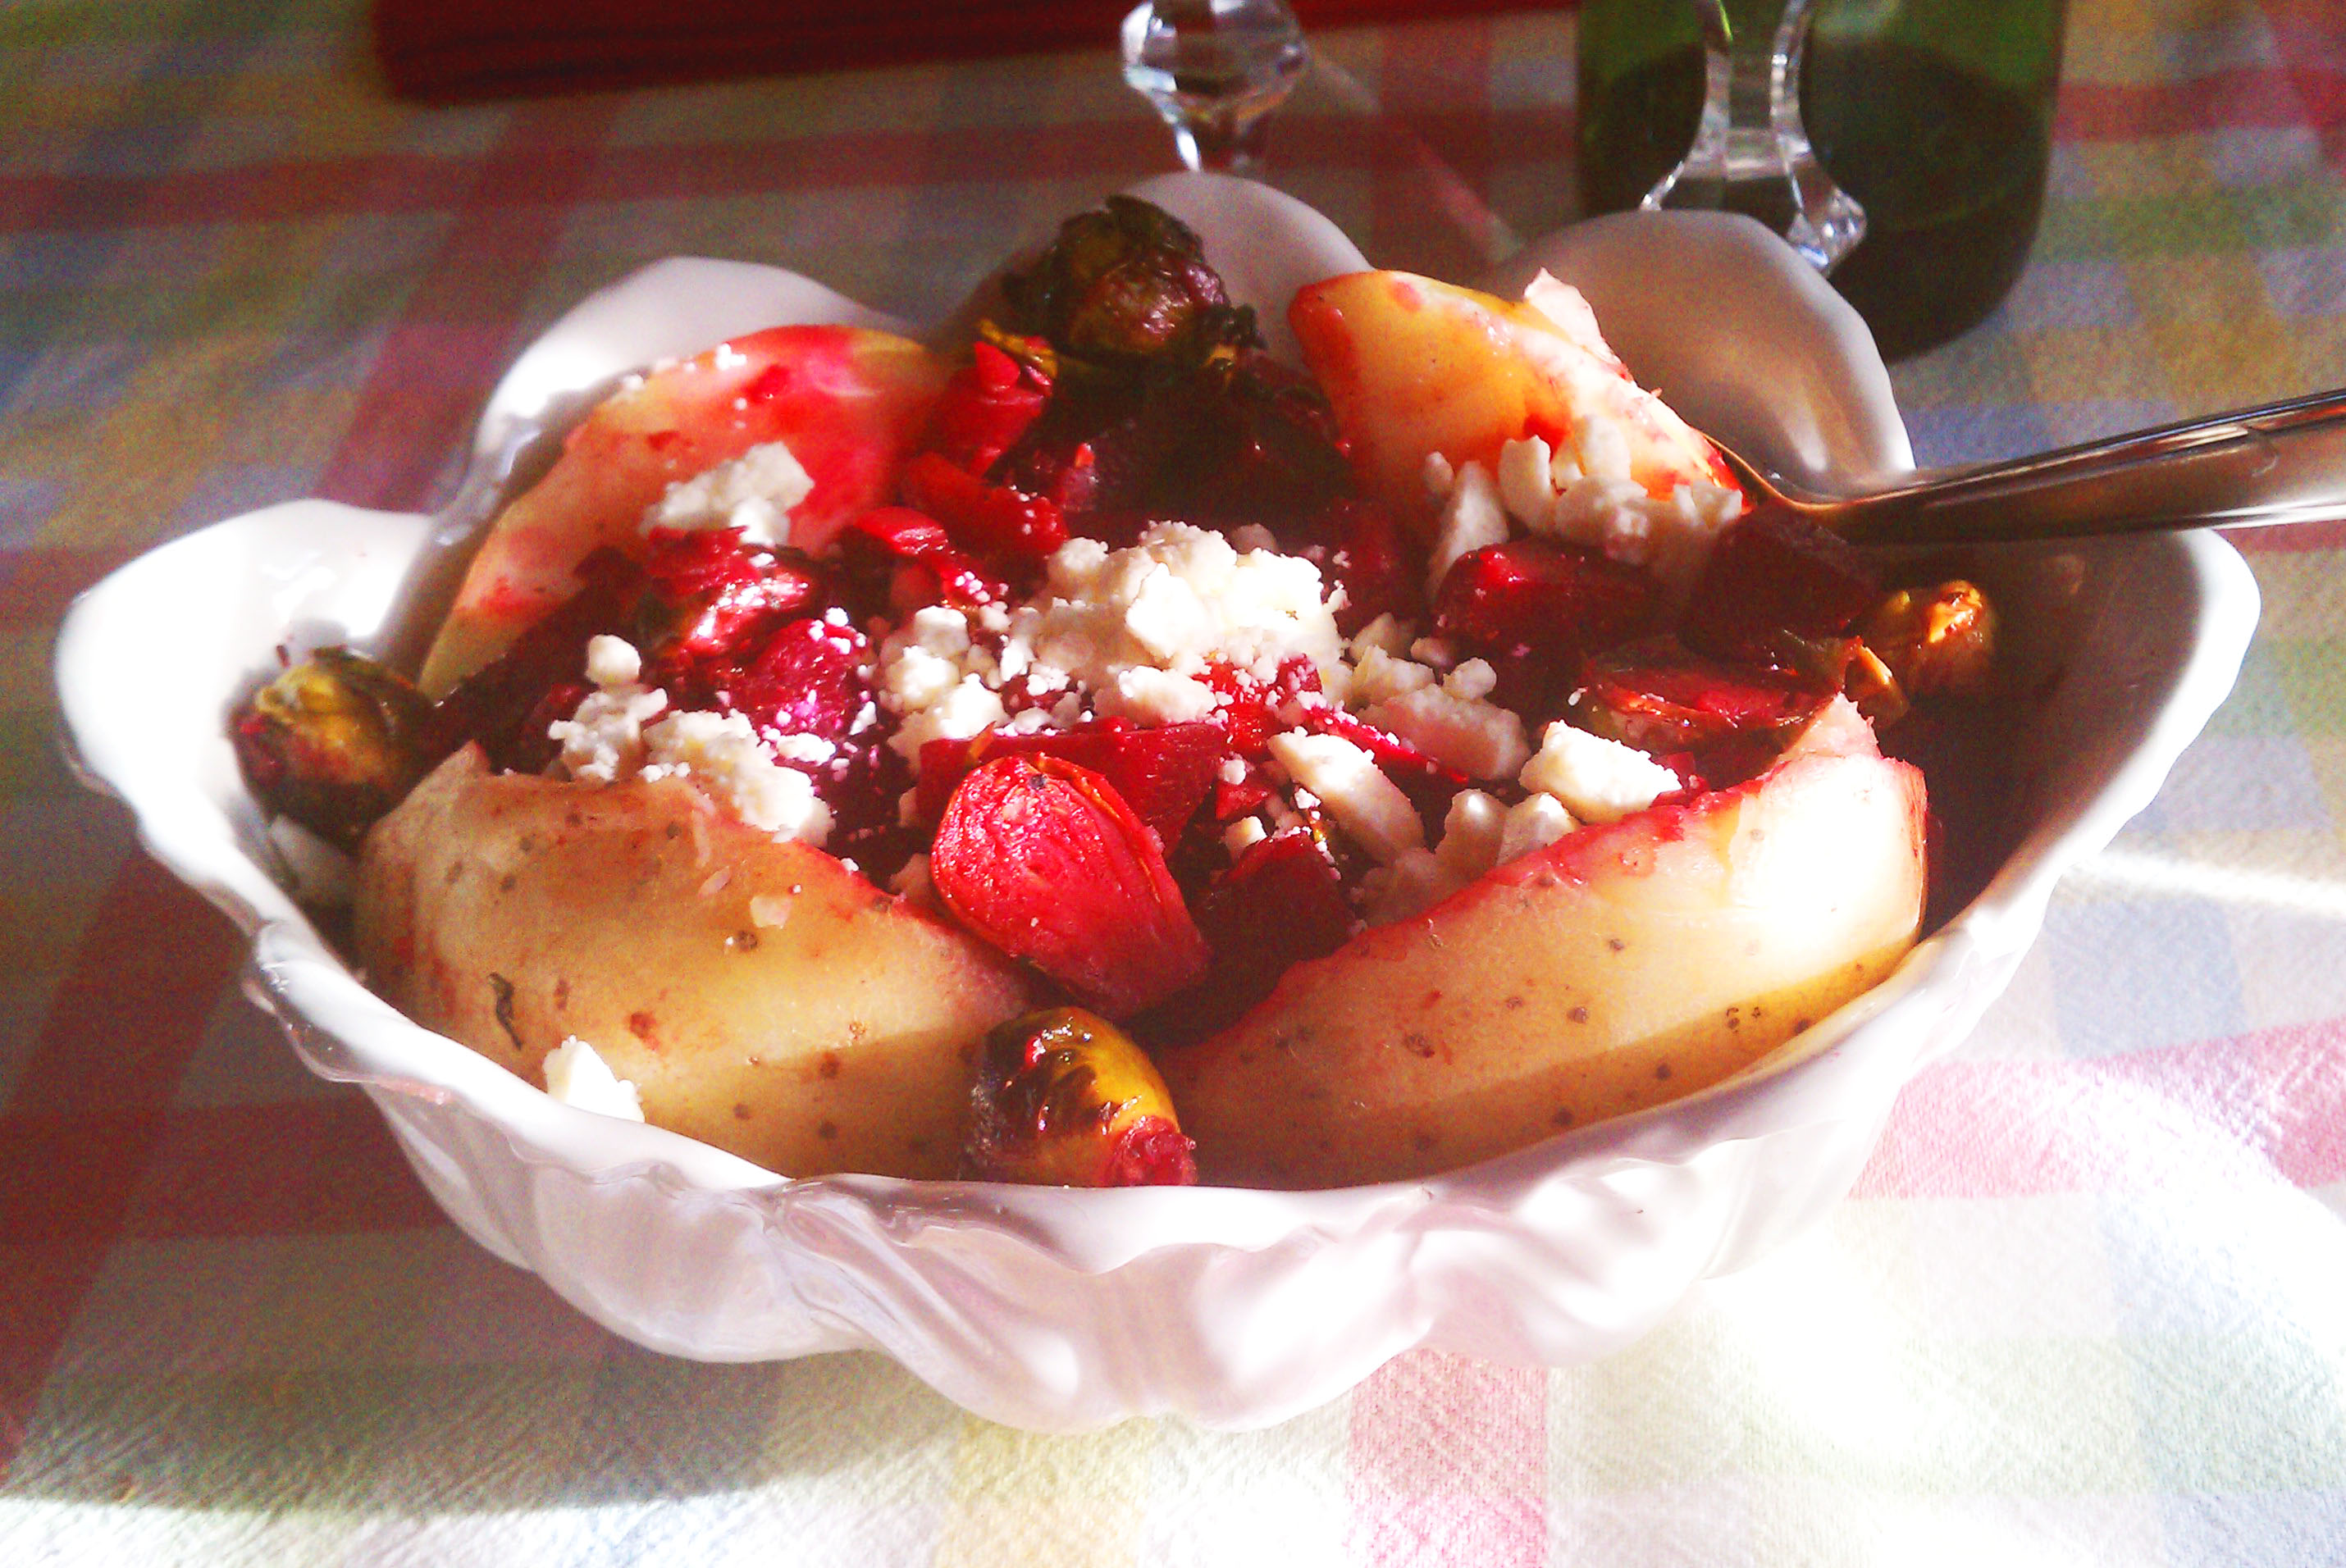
1661,699
903,535
1250,713
709,590
985,407
1149,1151
533,749
1382,572
1528,593
1162,773
1043,859
1774,571
806,680
1258,441
992,520
1279,903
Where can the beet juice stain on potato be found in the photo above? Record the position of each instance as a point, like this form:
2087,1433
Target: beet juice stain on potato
1416,753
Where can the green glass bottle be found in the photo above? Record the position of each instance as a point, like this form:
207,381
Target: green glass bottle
1935,115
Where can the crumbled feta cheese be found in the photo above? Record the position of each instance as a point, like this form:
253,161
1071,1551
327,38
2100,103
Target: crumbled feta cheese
720,754
1433,651
1388,633
1472,681
1532,823
323,876
1161,697
607,739
1419,879
1588,499
1181,599
961,712
1471,519
1598,781
1440,476
1481,739
1364,802
939,681
1233,770
577,1075
754,493
1381,677
811,749
1166,614
1130,633
1242,835
1471,834
603,741
613,661
913,884
1413,884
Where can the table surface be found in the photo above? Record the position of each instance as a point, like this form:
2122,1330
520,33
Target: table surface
2087,1304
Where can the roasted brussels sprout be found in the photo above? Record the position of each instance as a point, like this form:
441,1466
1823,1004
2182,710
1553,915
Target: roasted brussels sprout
1127,281
1064,1098
1936,641
334,743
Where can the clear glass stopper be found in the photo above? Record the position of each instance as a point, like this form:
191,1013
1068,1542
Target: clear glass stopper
1215,69
1751,151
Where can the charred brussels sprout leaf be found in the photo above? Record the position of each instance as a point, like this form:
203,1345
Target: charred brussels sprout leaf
1127,281
1064,1098
334,743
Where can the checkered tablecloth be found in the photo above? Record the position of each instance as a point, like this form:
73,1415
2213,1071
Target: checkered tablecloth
2087,1305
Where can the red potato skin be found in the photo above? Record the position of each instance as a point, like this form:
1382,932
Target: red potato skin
1622,967
849,404
507,912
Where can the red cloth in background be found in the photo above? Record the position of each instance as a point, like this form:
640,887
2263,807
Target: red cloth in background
445,50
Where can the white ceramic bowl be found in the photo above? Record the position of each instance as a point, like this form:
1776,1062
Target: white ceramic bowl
1061,1310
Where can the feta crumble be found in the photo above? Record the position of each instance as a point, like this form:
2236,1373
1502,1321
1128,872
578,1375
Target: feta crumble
1472,518
722,754
1125,634
1180,600
603,741
1597,779
1532,823
755,493
1588,498
577,1075
1481,739
618,733
1365,803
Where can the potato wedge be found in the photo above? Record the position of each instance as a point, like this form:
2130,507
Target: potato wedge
1620,967
1416,366
847,402
763,997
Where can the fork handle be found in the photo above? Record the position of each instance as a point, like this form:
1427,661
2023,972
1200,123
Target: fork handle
2279,463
